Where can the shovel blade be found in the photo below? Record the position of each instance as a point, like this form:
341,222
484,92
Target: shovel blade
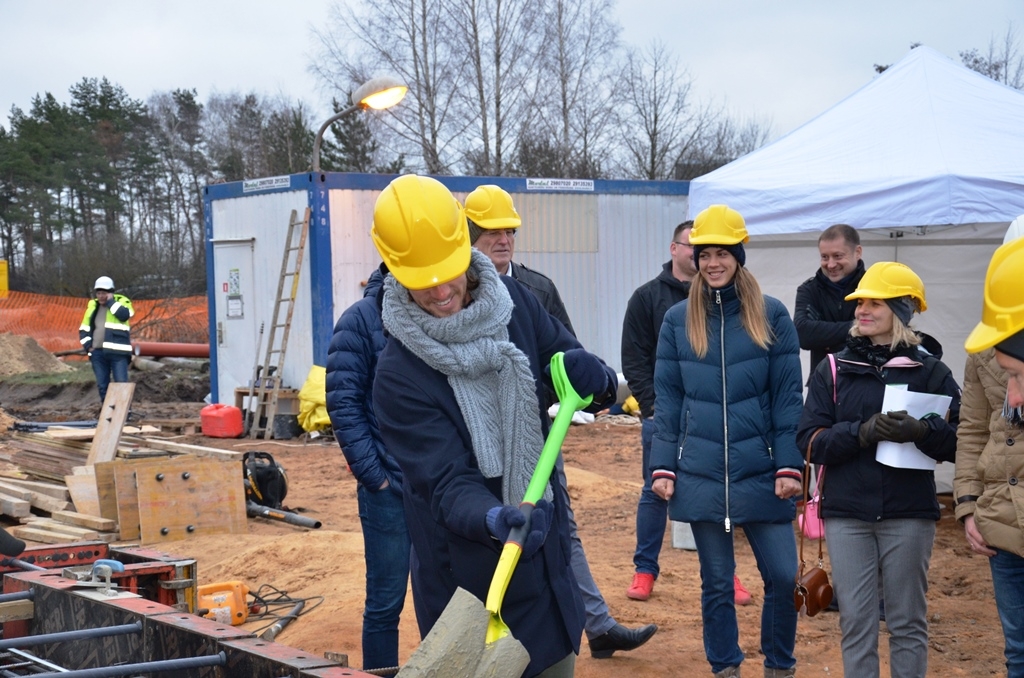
456,645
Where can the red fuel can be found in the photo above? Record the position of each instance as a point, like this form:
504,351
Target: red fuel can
221,421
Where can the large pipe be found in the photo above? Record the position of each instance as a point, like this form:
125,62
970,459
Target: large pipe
47,638
162,349
219,659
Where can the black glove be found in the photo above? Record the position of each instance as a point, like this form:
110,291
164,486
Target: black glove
585,372
501,520
540,521
900,427
868,433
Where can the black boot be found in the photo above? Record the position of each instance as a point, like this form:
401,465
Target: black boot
620,638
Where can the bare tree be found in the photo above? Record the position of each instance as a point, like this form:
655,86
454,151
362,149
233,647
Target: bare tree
661,121
504,46
1003,62
573,99
415,41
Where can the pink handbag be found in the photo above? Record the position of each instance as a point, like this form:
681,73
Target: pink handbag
810,520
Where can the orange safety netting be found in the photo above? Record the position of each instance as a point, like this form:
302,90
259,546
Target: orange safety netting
53,321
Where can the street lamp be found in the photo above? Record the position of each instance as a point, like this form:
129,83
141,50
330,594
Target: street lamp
378,93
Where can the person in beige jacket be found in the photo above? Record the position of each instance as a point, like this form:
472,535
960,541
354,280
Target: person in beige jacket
989,481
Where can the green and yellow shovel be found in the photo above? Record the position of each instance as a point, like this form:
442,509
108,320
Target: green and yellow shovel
568,402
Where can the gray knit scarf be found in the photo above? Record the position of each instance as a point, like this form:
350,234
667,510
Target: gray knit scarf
490,377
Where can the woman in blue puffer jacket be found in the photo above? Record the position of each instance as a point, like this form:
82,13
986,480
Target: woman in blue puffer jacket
729,392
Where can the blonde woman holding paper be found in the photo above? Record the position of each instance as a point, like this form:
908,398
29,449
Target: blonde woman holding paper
880,519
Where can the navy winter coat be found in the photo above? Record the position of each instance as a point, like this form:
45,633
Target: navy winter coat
447,498
351,363
726,423
855,485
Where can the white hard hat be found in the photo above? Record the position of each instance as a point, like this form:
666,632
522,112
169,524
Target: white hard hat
104,283
1016,229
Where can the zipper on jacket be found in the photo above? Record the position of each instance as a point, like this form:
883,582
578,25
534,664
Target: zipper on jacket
683,444
725,408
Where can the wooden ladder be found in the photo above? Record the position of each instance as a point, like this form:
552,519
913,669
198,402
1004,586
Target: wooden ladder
269,373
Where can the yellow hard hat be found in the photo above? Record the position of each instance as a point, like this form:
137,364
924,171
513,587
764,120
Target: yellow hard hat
420,231
890,280
491,207
719,225
1002,316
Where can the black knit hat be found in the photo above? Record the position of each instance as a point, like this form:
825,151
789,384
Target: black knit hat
1013,346
737,251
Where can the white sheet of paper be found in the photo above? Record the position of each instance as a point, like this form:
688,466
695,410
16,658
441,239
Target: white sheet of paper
906,455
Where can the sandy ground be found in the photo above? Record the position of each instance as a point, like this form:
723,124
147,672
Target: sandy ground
603,467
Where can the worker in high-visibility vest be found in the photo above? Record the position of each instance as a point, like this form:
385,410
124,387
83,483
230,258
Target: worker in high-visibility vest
105,334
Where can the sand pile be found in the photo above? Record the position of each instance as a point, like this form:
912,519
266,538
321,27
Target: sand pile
20,354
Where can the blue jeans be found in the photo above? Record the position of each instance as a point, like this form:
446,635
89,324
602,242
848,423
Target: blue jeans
386,547
1008,582
651,512
107,363
774,548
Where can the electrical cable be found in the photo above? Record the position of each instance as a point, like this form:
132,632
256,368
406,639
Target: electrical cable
274,606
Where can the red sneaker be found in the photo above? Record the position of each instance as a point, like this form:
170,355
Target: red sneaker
742,594
640,589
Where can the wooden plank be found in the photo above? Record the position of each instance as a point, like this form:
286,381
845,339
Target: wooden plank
193,497
105,491
94,522
74,533
89,433
49,489
84,493
30,533
12,490
14,507
49,504
197,450
127,497
15,610
112,418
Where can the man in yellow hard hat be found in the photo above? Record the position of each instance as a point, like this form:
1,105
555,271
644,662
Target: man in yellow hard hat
458,397
493,223
989,465
105,334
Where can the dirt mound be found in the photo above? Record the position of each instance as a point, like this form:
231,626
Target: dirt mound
20,354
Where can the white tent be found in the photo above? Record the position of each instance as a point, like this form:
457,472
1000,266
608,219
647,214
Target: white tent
926,161
928,142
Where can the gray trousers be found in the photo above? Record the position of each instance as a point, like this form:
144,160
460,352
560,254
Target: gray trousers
900,551
598,621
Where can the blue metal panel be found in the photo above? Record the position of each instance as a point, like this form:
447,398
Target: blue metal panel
320,273
376,182
211,297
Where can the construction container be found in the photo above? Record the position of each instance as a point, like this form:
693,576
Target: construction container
598,240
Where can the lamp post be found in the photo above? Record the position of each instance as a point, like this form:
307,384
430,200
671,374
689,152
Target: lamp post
378,93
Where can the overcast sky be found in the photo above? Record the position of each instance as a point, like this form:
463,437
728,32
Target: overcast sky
782,62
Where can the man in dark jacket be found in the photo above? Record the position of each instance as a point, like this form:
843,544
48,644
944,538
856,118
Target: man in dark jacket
640,327
351,363
458,395
493,224
822,317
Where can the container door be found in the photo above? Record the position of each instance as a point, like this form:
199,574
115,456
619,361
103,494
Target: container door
238,332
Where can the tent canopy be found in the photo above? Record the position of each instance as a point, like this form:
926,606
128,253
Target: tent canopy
927,142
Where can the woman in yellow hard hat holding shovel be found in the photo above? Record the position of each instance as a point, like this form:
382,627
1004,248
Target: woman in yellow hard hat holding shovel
457,395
